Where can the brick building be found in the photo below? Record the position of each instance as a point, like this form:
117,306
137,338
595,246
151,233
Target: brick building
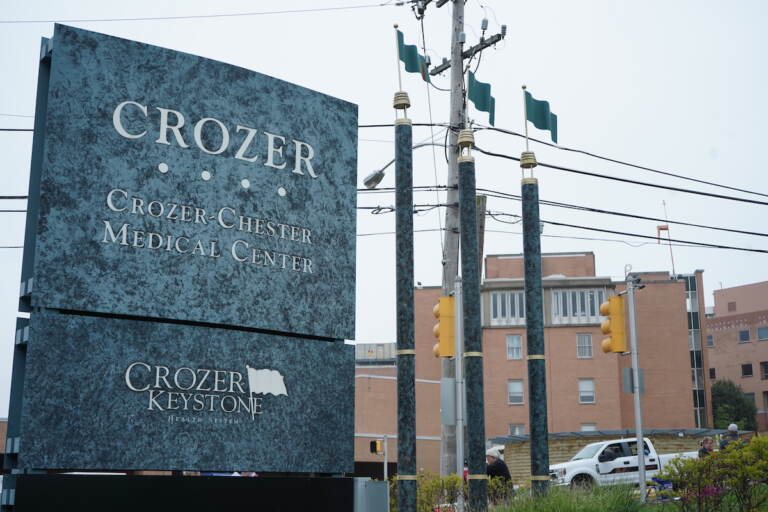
737,342
584,385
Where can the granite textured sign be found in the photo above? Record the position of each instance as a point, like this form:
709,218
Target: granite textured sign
177,187
129,394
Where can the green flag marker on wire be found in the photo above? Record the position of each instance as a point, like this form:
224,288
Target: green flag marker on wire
413,60
537,112
480,94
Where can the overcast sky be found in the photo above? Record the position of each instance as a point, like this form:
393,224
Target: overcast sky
676,86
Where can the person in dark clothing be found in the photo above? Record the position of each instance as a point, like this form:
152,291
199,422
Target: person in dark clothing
707,445
496,466
731,436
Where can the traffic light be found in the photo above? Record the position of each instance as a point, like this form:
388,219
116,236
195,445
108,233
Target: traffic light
614,326
444,329
376,447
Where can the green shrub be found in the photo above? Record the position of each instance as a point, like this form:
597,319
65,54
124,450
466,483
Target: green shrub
732,479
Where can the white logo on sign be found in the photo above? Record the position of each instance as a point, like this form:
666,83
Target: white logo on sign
262,382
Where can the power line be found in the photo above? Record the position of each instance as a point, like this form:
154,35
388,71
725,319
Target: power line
203,16
15,115
14,197
504,195
621,162
700,244
16,130
627,180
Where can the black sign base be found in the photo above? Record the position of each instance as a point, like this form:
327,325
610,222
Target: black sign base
100,493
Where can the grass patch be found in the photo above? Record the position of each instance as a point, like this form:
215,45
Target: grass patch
559,499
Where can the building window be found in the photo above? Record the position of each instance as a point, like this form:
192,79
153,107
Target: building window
577,306
584,346
762,333
514,346
765,400
764,370
515,392
508,308
589,427
750,397
731,307
712,374
746,370
516,429
744,336
586,391
710,340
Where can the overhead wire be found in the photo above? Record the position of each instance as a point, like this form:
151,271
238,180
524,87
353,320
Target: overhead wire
626,180
621,162
504,195
432,132
204,16
686,243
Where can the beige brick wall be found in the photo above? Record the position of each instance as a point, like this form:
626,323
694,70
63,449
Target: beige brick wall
570,265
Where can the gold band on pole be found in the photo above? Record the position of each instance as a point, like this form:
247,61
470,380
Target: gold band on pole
477,477
536,356
529,181
406,477
539,477
473,354
406,352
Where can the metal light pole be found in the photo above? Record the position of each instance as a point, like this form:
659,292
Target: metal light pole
631,286
406,381
460,395
473,336
534,327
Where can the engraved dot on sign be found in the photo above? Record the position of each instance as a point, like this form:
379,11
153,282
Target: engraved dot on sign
281,191
206,175
163,167
245,183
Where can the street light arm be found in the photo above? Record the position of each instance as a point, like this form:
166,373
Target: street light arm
373,179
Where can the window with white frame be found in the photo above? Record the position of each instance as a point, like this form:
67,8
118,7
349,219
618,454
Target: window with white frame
514,346
515,392
508,308
516,429
762,333
710,340
577,306
589,427
744,336
586,391
584,346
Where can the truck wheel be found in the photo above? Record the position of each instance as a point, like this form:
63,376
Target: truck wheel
582,482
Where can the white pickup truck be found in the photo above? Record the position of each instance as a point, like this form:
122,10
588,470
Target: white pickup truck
610,463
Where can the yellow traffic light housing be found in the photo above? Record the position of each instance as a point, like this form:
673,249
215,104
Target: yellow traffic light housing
377,447
614,325
444,329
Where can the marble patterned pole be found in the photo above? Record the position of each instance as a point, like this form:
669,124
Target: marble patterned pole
406,380
473,336
534,325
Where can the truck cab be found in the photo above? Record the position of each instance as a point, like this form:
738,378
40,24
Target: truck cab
606,463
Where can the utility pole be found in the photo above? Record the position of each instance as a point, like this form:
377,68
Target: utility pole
458,118
451,239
